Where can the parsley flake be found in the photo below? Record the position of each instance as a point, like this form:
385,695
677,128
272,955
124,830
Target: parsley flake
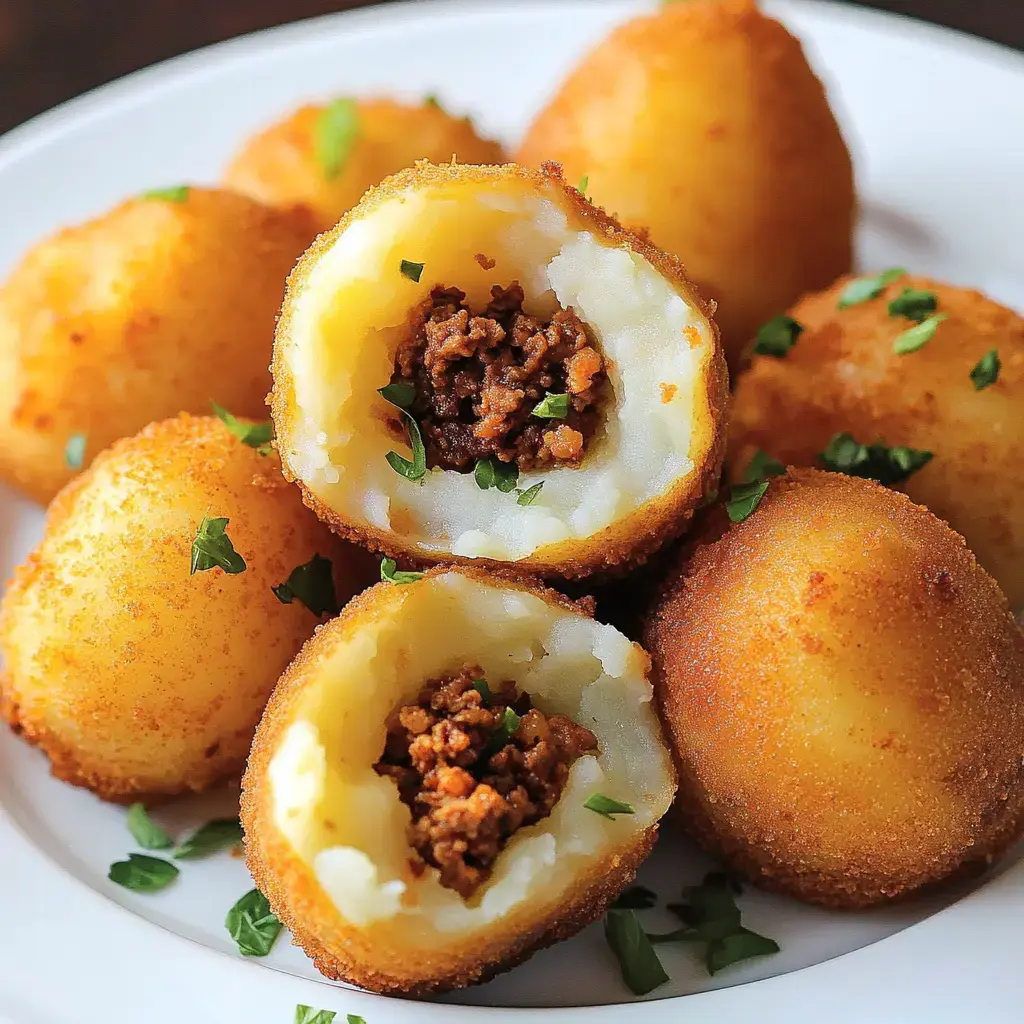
919,336
415,469
255,435
636,897
986,370
761,467
312,584
481,687
888,466
399,393
861,289
74,451
529,496
212,547
584,182
214,836
431,100
777,337
390,573
552,407
307,1015
141,873
145,831
492,472
251,924
503,734
744,499
606,806
334,135
914,304
641,969
175,194
413,271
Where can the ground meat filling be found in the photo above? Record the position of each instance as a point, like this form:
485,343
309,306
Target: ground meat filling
479,378
468,781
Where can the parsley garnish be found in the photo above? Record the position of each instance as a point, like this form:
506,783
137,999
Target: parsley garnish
255,435
414,470
761,467
212,547
492,472
210,838
873,461
175,194
529,496
74,451
145,831
606,806
744,499
399,393
142,874
917,337
481,687
777,337
636,897
552,407
251,924
584,182
390,573
503,734
986,370
431,100
313,585
336,131
413,271
913,304
639,963
861,289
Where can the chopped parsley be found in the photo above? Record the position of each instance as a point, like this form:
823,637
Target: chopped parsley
251,924
413,271
861,289
74,451
145,831
744,499
552,407
986,370
914,304
641,969
334,135
431,100
636,897
761,467
255,435
584,182
529,496
918,336
399,393
312,584
175,194
415,469
214,836
390,573
888,466
606,806
213,548
481,687
492,472
141,873
777,337
504,732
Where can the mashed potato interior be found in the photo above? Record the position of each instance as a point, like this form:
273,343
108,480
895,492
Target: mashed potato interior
351,311
349,824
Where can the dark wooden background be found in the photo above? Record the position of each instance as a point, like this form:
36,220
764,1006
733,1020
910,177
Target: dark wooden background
51,50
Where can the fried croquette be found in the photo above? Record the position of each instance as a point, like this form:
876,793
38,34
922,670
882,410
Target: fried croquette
162,304
134,677
843,688
329,795
559,403
704,124
326,156
958,397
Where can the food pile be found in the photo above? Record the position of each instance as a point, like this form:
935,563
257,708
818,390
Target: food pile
494,396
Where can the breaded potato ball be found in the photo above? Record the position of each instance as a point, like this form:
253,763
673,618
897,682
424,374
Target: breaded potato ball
134,677
704,123
476,365
412,830
325,156
960,397
159,306
843,687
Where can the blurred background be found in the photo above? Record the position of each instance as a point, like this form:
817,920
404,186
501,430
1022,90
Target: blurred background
51,50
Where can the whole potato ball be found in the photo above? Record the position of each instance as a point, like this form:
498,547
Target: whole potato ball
704,123
162,304
958,397
325,156
135,677
843,687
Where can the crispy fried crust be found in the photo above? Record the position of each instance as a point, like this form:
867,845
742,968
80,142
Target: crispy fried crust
632,539
843,687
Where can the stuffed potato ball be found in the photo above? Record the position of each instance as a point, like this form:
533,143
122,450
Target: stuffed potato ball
843,687
162,304
458,770
907,380
325,156
478,365
142,637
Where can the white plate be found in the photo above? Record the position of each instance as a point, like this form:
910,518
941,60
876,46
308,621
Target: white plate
935,121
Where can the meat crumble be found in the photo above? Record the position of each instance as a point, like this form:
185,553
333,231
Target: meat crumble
469,783
478,380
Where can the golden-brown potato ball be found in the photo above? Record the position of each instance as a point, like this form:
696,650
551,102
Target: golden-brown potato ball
704,123
327,837
162,304
325,156
843,686
133,676
842,375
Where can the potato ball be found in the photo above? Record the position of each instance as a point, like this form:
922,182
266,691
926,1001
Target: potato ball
326,156
943,421
134,675
478,365
159,306
457,771
843,687
704,123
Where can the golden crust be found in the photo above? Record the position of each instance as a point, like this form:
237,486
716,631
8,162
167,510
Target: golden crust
633,538
843,688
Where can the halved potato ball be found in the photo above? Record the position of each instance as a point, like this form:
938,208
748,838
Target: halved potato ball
959,396
843,687
704,123
162,304
325,156
554,392
134,677
390,805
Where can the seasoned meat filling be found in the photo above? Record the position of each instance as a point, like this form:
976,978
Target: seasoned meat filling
471,774
478,380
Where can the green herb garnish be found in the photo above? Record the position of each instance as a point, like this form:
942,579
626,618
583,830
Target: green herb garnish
492,472
312,584
390,573
777,337
986,370
917,337
761,467
413,271
214,836
399,393
744,499
145,831
636,897
735,948
212,547
431,100
584,182
481,687
873,461
334,135
255,435
606,806
529,496
415,469
74,451
639,963
861,289
141,873
174,194
503,734
552,407
307,1015
913,304
251,924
